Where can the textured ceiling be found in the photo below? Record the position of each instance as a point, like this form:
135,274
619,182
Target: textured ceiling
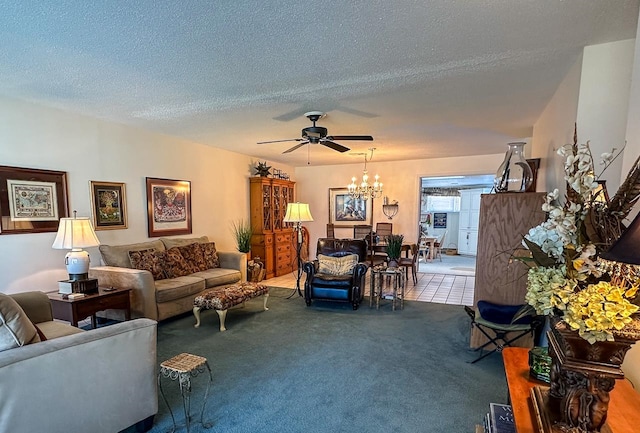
426,79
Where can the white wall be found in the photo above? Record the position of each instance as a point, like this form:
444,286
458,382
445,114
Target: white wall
88,149
554,128
604,102
401,181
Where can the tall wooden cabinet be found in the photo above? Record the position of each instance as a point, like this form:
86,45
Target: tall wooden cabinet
272,239
504,219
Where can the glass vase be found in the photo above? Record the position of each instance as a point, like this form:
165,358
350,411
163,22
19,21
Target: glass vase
514,174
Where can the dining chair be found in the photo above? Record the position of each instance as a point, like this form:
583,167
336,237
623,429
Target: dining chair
423,247
331,231
384,229
362,231
437,246
410,262
374,257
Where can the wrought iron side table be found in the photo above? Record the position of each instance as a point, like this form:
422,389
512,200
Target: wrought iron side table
394,278
182,367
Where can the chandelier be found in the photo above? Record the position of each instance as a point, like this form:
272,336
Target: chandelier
365,190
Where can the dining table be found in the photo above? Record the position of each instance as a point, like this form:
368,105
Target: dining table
381,247
431,241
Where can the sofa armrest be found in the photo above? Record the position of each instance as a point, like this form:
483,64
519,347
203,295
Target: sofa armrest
359,271
45,386
36,305
143,293
234,260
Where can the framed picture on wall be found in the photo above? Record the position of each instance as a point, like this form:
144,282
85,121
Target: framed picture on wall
168,207
347,211
108,205
439,220
32,200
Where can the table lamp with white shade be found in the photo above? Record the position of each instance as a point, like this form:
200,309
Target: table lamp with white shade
298,213
75,234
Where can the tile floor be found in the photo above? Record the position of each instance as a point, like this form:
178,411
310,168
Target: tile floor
431,287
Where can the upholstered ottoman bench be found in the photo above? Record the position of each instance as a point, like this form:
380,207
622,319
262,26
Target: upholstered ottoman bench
221,299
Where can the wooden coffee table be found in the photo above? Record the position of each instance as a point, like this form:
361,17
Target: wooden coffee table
74,310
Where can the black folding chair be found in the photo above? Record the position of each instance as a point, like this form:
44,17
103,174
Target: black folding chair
496,322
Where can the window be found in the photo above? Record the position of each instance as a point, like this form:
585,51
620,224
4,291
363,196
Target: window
442,204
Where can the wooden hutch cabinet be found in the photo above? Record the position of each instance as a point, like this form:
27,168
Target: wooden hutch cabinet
273,240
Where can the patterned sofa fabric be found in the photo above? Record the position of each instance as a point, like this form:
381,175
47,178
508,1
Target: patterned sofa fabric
167,285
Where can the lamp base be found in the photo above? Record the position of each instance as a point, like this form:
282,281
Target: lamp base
77,261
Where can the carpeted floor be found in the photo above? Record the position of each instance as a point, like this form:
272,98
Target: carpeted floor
327,368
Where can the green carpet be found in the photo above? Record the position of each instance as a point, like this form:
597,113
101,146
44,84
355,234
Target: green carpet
327,368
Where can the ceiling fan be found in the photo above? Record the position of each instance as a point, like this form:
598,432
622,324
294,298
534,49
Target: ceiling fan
318,134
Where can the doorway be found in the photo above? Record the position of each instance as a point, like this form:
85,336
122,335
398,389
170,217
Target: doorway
449,209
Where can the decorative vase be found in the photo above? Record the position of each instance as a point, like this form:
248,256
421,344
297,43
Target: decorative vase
392,263
514,174
582,375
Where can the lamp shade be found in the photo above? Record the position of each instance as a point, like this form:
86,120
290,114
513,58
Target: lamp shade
627,248
74,233
297,212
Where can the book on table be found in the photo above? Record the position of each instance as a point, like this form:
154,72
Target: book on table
501,418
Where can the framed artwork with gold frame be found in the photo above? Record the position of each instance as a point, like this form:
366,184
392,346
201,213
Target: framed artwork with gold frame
108,205
347,211
168,207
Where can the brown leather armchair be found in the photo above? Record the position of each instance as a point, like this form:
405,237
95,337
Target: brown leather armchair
348,287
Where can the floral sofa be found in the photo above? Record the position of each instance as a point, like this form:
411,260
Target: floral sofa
167,274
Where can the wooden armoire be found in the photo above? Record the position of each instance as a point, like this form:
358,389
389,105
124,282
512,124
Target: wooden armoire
273,240
504,219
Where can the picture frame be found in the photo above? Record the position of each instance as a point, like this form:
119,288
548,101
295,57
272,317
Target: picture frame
108,205
347,211
32,200
168,207
439,220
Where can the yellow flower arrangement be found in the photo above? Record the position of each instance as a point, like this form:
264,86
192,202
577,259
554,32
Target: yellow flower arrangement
599,309
567,278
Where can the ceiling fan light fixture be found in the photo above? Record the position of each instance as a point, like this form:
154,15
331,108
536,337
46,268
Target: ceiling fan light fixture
318,134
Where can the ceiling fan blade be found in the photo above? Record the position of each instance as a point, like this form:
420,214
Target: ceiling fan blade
295,147
334,146
279,141
350,137
356,112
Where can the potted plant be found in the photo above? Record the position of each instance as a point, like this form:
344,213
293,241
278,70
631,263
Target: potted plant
394,249
242,231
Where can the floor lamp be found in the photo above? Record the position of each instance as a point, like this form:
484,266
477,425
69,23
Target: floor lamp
297,213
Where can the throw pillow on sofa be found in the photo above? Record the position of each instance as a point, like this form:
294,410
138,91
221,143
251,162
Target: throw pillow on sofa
210,255
194,256
337,265
175,264
15,327
149,260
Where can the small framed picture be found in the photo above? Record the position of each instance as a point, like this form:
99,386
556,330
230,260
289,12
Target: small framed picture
439,220
108,205
168,207
32,200
347,211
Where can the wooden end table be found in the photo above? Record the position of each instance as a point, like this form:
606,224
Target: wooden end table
74,310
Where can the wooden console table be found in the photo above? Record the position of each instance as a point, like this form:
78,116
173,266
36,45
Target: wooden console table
624,407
